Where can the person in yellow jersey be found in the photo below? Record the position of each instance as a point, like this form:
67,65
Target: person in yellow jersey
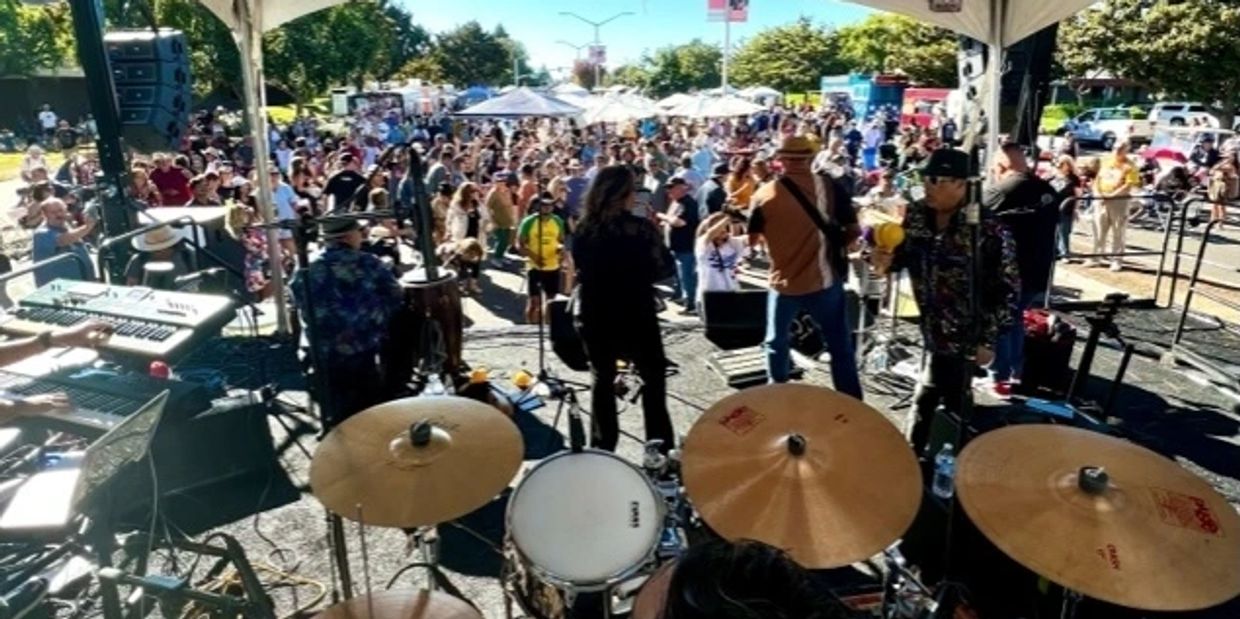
1117,178
540,238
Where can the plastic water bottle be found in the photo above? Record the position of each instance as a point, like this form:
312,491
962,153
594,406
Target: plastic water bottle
944,472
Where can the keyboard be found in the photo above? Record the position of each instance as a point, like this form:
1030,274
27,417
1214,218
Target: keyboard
148,324
102,399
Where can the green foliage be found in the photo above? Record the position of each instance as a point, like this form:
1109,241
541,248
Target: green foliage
1185,50
34,37
425,68
583,74
409,40
470,55
629,75
787,58
681,68
888,43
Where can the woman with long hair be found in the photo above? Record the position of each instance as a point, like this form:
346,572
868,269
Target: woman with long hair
468,220
619,257
739,185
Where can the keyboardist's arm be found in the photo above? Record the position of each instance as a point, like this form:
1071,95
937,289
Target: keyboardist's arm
11,408
85,335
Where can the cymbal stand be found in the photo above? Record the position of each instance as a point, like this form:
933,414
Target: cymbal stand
1070,601
361,536
902,588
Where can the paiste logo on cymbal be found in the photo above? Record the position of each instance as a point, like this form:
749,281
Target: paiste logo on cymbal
1187,511
742,420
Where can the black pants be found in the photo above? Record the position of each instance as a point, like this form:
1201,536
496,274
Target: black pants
349,387
943,381
640,342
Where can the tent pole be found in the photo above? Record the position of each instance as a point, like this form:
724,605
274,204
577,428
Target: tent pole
250,40
994,67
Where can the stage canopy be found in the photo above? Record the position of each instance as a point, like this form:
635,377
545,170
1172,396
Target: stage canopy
521,102
1001,22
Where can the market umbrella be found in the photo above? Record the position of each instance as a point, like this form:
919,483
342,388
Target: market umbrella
760,92
674,100
521,102
715,107
247,20
618,110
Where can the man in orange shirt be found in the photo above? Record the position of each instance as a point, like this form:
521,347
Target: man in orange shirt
805,274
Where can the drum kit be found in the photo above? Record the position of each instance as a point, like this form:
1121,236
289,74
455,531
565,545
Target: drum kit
818,474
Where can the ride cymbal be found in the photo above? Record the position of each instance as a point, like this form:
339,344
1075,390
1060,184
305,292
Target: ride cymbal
1102,516
400,604
806,469
416,461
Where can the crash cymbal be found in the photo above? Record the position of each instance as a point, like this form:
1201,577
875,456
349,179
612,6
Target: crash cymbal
806,469
417,461
1145,533
400,604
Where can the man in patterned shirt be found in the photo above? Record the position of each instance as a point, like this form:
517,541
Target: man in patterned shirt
346,298
936,253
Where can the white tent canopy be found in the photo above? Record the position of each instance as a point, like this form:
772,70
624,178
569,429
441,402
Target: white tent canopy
618,109
247,20
996,23
1001,22
569,88
674,100
521,102
715,107
760,92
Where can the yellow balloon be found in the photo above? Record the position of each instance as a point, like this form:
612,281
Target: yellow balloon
522,379
479,376
888,235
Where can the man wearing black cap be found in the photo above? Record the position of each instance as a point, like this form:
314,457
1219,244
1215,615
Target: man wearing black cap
680,224
936,251
342,185
713,194
346,298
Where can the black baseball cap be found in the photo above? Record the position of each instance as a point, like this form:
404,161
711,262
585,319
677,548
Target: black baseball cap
947,163
722,169
676,180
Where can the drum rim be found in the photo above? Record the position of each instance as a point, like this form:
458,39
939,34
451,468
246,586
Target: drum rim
591,586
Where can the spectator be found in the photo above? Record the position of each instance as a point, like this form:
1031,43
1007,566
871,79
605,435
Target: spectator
34,159
1117,177
680,224
1067,186
172,181
56,237
48,122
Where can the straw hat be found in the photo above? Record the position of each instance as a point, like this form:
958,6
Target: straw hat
162,237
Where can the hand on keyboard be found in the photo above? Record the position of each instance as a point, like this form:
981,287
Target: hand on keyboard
42,403
89,334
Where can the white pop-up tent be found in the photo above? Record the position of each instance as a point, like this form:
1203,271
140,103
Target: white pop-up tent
996,23
248,20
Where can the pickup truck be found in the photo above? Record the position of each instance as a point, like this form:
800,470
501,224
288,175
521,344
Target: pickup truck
1105,126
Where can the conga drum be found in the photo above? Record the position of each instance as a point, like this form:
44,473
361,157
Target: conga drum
428,326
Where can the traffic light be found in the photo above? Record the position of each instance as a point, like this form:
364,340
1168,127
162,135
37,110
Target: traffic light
150,70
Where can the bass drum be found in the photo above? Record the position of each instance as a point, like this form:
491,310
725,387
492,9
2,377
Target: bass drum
579,523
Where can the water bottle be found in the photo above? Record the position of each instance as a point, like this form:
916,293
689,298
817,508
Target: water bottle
944,472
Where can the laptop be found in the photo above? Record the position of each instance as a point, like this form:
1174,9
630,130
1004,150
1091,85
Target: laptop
48,502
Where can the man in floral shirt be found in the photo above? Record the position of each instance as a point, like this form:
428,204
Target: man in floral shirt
936,252
346,299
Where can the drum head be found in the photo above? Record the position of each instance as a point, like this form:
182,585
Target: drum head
585,518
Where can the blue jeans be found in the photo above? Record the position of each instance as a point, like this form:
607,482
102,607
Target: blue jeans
826,308
1009,361
686,278
1063,242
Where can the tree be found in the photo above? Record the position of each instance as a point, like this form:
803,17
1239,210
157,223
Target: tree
470,55
680,68
34,37
583,74
887,43
630,75
1181,49
789,58
425,68
409,40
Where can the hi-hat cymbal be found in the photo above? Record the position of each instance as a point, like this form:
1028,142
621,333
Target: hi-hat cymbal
400,604
417,461
1145,533
812,471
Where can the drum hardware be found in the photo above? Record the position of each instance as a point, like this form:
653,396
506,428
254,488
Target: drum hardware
904,594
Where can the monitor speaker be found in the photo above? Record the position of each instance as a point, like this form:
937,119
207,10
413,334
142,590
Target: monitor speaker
150,71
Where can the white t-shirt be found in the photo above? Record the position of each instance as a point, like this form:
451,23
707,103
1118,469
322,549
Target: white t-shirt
717,264
47,118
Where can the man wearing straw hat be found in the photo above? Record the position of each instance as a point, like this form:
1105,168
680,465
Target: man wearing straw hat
346,298
805,272
163,244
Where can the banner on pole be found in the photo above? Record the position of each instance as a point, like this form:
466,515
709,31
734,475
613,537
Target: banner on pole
598,54
729,10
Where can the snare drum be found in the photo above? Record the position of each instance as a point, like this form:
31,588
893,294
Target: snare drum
579,522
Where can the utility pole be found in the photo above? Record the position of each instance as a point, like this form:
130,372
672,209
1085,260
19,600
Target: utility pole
576,48
597,42
727,51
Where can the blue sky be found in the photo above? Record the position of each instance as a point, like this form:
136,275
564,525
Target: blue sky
538,24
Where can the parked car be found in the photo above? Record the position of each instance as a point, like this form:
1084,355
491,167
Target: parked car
1180,114
1105,126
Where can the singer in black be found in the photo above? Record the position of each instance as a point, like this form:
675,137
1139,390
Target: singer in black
346,299
937,252
619,257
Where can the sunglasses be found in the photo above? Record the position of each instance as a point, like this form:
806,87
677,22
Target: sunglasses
935,180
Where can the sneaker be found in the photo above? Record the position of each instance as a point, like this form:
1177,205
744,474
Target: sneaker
1116,267
1091,263
688,311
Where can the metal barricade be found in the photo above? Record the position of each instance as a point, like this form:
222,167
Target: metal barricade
1162,253
1179,349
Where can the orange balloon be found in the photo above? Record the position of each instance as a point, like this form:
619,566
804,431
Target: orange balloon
888,235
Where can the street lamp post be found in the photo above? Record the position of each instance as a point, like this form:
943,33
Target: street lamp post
576,48
597,25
